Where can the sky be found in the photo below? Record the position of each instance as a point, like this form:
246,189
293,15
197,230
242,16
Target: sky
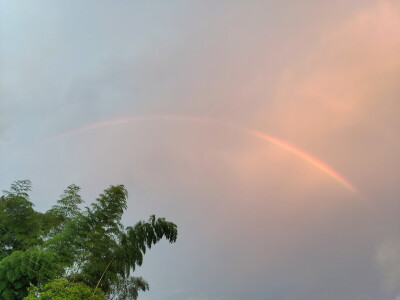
268,131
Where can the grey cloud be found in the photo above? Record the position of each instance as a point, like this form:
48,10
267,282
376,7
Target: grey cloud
255,222
388,260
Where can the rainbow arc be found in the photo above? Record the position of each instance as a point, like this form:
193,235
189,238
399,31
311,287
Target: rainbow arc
255,133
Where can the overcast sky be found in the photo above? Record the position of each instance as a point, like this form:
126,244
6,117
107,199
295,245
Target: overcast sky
189,81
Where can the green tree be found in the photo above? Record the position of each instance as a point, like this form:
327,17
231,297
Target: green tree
62,289
19,222
66,209
21,269
89,246
128,288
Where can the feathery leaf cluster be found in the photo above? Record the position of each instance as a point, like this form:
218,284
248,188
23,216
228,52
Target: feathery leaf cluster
77,249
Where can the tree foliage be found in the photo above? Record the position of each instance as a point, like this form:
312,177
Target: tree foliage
75,248
62,289
19,222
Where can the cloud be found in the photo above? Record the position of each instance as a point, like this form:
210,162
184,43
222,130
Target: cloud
254,220
2,127
388,261
342,98
342,78
202,297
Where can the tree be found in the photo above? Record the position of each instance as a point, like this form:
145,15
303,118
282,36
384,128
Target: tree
19,222
89,246
62,289
128,288
66,209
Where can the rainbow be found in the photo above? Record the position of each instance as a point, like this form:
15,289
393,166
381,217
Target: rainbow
128,120
307,157
255,133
